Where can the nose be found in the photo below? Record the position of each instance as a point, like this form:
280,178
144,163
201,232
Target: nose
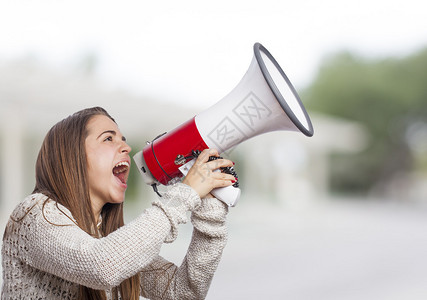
125,148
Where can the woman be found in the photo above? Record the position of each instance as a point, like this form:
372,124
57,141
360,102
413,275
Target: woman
67,240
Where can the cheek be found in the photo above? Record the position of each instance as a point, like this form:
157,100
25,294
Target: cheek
97,166
99,163
93,162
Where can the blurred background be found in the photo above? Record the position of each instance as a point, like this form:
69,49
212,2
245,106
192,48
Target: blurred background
341,215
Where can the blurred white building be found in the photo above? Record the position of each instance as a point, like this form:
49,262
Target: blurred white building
279,165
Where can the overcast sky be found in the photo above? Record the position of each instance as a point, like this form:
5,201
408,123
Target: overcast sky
197,51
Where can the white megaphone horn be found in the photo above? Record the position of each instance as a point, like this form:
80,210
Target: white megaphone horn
263,101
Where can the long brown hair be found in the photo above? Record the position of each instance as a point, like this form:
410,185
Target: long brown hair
61,174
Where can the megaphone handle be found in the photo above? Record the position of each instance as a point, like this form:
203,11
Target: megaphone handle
229,195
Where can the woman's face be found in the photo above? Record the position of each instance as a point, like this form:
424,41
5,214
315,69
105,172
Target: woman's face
108,161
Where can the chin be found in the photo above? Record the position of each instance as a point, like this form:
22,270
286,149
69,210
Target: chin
117,199
120,200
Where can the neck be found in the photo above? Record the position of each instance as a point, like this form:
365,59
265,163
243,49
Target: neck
96,209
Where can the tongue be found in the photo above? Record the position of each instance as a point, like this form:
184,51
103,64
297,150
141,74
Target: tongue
120,173
121,177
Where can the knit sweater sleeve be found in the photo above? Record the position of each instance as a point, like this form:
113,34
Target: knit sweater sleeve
163,280
53,243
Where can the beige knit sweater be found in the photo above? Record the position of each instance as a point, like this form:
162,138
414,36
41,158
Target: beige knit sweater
46,256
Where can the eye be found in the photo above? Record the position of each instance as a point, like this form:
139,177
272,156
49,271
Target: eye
109,139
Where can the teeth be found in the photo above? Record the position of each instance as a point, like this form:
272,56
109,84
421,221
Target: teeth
123,163
121,167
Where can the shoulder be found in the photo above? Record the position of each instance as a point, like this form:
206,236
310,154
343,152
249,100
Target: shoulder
39,206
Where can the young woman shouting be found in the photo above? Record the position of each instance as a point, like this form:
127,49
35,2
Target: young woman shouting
67,240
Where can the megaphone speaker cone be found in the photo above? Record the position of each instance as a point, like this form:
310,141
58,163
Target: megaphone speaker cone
283,90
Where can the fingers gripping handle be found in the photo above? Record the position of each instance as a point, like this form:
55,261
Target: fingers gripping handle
229,195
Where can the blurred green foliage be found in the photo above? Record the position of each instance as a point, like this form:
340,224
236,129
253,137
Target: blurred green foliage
388,97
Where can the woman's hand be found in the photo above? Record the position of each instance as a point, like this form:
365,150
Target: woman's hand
202,178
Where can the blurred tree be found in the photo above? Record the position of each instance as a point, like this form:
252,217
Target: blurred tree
387,96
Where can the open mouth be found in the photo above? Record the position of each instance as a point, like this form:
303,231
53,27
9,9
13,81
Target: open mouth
121,171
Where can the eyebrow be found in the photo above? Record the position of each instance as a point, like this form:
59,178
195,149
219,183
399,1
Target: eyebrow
111,132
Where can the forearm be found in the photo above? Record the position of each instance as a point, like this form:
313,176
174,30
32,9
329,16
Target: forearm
73,255
192,279
206,247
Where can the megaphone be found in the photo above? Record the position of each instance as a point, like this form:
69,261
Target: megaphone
263,101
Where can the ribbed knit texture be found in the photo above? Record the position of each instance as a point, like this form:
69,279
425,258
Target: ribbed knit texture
46,255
